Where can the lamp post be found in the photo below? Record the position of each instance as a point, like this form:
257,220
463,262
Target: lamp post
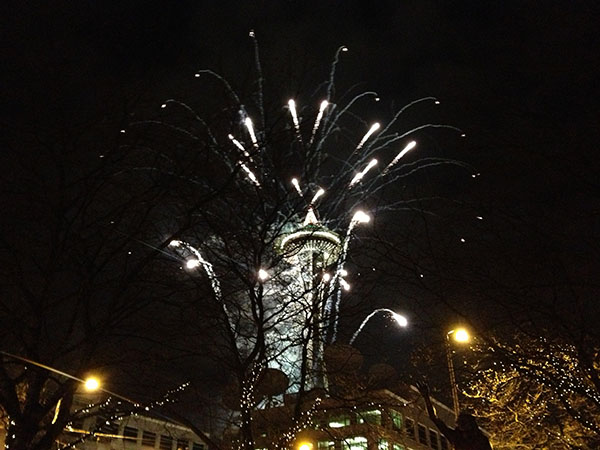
400,320
462,336
90,384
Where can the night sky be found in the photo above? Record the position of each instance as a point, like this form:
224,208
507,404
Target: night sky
519,77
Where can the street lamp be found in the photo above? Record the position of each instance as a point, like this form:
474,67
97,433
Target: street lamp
90,383
461,336
399,318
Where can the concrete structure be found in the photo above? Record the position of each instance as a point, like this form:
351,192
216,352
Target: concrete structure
133,433
375,420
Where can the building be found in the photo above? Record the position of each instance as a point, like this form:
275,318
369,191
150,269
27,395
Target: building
132,433
375,420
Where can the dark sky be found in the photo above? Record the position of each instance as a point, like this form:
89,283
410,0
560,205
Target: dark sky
520,77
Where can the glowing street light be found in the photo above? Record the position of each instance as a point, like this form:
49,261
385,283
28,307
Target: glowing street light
460,335
305,446
91,384
398,318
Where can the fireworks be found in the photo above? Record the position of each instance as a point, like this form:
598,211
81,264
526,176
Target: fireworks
304,247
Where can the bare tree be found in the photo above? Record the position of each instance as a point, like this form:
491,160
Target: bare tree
271,249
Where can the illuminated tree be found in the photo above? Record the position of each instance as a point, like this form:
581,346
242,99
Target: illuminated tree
537,392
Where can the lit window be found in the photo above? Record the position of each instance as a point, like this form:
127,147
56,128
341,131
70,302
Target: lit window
325,445
383,445
339,422
396,419
372,416
182,444
354,443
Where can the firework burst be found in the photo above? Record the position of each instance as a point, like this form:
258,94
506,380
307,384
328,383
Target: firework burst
284,234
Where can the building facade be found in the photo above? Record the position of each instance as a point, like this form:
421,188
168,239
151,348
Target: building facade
377,420
132,433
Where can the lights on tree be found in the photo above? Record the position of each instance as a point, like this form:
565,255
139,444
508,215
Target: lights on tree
263,274
192,263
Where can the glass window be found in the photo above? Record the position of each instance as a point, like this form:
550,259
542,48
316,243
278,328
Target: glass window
398,447
339,422
130,432
166,442
433,439
383,445
148,439
422,434
77,423
372,416
396,419
325,445
197,446
354,443
182,444
410,427
108,427
444,443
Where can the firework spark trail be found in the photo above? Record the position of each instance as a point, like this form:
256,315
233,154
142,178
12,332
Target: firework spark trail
296,185
332,123
359,176
249,173
367,135
294,113
246,169
395,316
319,193
397,137
331,310
327,123
344,110
239,145
250,127
336,59
260,80
228,87
195,115
208,268
322,107
404,151
403,109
